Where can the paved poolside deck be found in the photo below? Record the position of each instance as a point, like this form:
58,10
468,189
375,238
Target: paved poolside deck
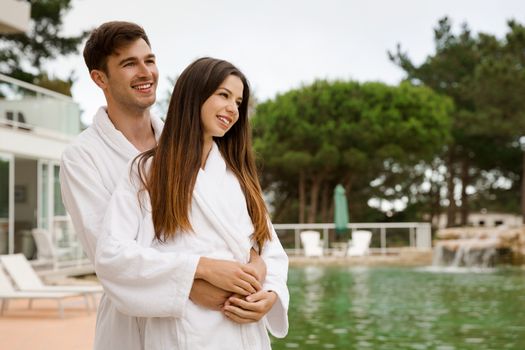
41,328
403,257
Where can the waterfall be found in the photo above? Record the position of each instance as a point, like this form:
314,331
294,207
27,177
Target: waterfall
473,252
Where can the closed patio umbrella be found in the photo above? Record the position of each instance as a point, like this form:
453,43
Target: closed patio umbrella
340,210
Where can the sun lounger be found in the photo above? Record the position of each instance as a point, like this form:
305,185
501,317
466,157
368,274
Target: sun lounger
312,244
360,243
7,293
26,279
47,252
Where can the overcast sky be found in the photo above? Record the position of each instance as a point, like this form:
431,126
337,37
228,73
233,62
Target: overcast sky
281,44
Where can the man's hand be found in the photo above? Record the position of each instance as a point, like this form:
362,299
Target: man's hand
207,295
258,264
231,276
250,310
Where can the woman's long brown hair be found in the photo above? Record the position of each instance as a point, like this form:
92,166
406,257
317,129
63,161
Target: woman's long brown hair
175,161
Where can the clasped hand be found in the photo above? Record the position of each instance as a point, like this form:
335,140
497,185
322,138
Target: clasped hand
231,276
233,288
251,308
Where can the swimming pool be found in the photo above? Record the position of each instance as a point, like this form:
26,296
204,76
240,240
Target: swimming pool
405,308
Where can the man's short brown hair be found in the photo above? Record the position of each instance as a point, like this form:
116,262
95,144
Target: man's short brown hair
108,38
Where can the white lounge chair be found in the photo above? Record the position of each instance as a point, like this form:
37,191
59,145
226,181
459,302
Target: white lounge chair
46,250
26,279
312,244
7,293
359,245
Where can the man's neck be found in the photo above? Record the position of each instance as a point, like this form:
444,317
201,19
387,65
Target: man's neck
135,126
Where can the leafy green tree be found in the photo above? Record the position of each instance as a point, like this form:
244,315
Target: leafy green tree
484,76
23,56
312,138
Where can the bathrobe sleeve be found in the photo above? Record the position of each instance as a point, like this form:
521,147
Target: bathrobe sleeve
140,280
276,260
84,196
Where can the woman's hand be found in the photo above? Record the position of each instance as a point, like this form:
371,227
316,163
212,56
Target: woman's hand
258,264
250,310
231,276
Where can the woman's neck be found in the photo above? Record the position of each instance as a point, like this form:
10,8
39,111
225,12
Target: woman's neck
206,149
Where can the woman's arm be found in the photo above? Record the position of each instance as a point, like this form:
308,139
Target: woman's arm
272,301
277,265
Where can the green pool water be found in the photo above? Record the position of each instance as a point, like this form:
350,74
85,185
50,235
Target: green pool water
405,308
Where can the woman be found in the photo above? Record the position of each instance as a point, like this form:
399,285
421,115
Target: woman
191,209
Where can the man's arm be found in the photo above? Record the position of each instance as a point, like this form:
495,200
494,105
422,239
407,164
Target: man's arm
84,197
207,295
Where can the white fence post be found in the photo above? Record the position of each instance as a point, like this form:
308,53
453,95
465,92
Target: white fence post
423,236
383,240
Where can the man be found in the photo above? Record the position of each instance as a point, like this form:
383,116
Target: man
120,61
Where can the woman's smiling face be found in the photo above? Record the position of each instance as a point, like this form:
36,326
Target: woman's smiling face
221,110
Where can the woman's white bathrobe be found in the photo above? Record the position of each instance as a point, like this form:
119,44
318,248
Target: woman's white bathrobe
150,279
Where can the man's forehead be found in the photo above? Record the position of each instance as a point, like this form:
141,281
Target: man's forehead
124,49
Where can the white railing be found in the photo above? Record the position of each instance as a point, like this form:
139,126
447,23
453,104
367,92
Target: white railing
418,234
40,91
32,109
37,130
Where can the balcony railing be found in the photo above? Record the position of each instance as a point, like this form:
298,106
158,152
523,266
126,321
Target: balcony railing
30,108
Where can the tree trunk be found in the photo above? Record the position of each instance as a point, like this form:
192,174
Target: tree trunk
314,197
325,202
347,184
523,188
451,210
302,197
331,209
431,205
465,179
435,203
279,210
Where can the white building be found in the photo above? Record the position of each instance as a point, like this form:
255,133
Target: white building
482,219
36,125
14,16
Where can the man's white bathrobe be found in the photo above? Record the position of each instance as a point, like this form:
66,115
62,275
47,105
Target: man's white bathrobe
151,278
90,169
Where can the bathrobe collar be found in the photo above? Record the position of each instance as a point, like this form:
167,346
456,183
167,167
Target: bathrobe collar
210,195
215,164
116,139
